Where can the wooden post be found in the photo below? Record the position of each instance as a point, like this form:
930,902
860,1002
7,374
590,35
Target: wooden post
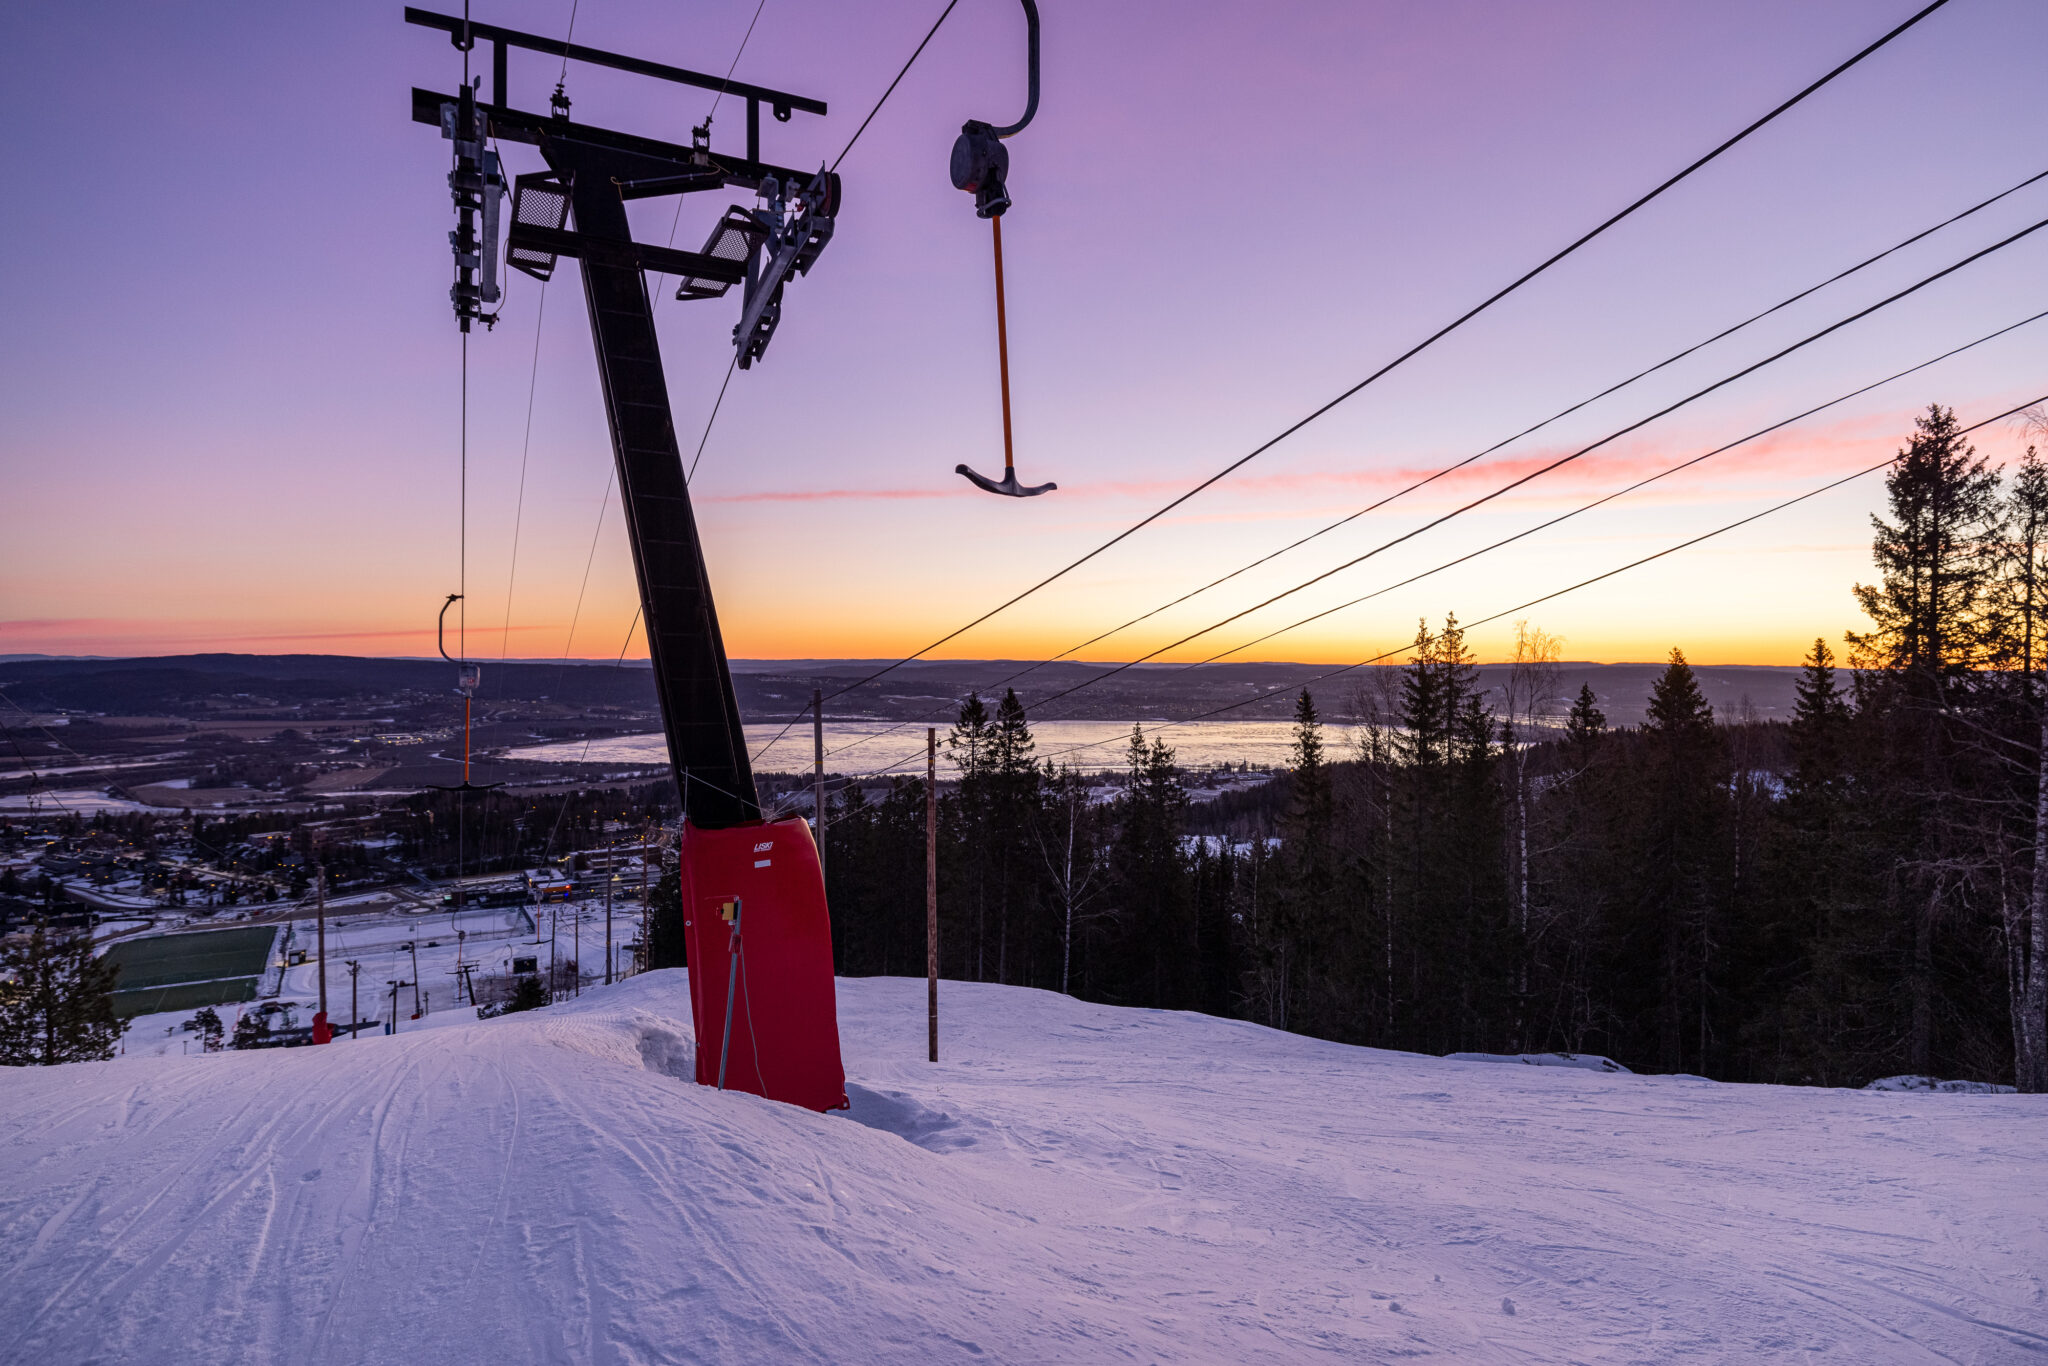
931,890
322,1030
818,773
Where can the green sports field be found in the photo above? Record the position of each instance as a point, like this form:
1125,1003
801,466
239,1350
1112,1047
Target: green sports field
186,996
177,971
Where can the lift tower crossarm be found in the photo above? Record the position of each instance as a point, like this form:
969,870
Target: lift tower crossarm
780,101
451,24
663,159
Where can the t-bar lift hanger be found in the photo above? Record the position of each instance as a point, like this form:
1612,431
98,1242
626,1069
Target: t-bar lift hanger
981,166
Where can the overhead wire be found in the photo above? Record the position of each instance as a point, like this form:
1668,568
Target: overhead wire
1566,459
525,447
1610,390
675,219
1562,413
914,55
1622,492
1425,638
1428,341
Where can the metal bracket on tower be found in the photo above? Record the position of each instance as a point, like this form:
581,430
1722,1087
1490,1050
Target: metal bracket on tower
795,232
477,184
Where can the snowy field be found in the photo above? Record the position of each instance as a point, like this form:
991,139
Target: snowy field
1072,1183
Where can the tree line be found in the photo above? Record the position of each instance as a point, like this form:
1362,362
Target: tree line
1857,892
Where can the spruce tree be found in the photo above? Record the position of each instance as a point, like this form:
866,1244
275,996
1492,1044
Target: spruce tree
1934,624
1820,723
1584,725
667,942
1678,825
56,1001
1306,966
965,882
1936,561
1155,956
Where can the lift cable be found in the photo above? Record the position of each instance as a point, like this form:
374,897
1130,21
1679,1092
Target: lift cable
1621,492
1557,416
1563,460
915,54
675,219
1831,485
618,663
761,5
1448,469
1541,526
525,446
533,372
691,476
1412,351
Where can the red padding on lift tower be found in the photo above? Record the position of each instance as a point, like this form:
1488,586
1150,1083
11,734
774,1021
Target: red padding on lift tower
785,1018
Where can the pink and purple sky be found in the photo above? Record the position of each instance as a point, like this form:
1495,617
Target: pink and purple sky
230,378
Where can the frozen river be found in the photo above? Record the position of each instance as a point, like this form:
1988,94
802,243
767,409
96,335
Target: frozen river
898,747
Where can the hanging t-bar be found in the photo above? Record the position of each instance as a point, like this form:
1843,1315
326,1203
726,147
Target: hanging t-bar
981,166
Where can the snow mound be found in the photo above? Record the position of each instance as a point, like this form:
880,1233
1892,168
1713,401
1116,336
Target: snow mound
1072,1183
1910,1082
1585,1062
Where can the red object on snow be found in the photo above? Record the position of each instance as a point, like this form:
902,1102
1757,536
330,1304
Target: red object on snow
785,1016
323,1032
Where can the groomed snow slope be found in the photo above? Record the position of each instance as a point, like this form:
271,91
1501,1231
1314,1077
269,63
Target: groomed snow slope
1073,1183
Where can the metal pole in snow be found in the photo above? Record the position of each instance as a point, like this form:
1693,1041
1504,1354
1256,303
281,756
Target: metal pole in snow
610,877
650,842
818,773
322,1031
931,890
732,973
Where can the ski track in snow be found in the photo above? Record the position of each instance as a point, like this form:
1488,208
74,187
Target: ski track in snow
1072,1183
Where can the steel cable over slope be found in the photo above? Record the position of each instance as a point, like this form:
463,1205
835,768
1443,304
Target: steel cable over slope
1620,492
1448,469
1563,460
1418,347
1686,544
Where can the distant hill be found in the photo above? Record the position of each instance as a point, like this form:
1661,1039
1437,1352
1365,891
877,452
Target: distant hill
777,689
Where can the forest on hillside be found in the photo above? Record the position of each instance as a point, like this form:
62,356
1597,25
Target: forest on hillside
1857,892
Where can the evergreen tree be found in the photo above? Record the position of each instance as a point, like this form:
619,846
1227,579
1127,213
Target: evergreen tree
965,882
1456,987
1306,987
2022,585
667,940
205,1022
1012,802
1934,624
1584,727
56,1001
1820,724
1155,952
1679,816
252,1030
1936,560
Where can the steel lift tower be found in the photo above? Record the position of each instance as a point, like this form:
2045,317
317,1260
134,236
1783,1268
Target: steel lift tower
781,973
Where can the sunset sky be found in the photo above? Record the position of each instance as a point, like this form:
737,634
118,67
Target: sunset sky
231,372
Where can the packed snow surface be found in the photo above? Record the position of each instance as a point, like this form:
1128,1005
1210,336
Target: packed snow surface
1072,1183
